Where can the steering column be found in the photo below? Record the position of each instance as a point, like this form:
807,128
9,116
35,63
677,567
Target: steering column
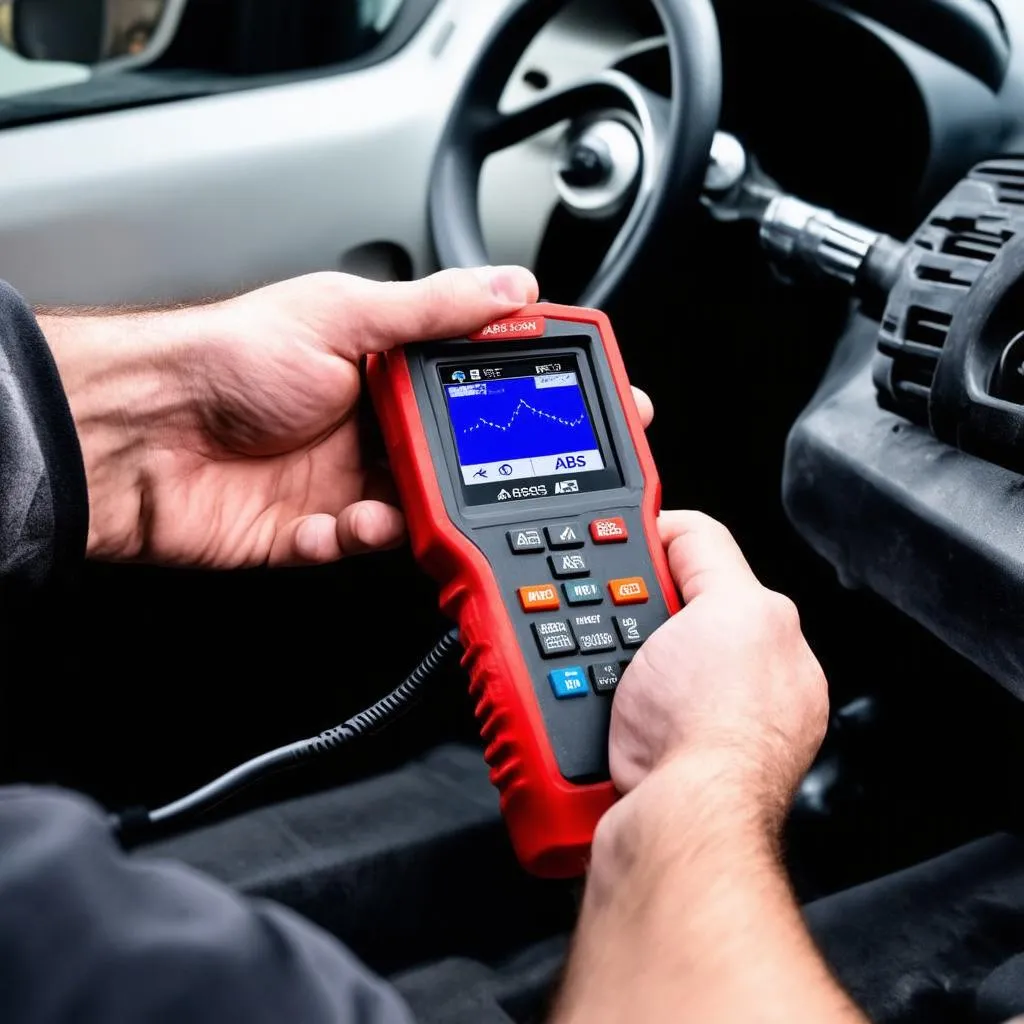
803,241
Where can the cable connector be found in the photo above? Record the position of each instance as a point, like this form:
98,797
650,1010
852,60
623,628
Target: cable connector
800,236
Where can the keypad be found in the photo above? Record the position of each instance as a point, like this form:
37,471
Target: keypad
605,636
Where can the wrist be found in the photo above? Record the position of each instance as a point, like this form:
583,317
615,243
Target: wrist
688,808
679,866
688,913
124,380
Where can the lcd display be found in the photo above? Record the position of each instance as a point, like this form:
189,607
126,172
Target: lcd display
521,420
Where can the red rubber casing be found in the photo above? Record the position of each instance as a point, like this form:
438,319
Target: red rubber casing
551,821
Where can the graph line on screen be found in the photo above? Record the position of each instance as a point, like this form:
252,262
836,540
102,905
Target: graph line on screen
520,418
523,404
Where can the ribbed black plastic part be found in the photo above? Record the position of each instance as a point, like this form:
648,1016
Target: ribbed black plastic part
954,248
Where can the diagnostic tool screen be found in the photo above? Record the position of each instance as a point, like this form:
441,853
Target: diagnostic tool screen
521,420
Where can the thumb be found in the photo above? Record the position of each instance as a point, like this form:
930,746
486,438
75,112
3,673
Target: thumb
450,304
702,554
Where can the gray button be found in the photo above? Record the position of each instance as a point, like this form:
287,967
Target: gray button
593,633
631,631
607,677
554,639
525,542
565,536
567,567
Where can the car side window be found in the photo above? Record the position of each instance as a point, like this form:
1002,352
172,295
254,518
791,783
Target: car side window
48,44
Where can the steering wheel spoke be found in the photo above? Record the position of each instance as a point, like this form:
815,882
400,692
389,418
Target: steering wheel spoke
660,166
505,130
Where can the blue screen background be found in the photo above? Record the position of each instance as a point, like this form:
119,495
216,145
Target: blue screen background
513,419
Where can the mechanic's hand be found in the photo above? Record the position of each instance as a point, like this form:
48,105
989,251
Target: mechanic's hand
225,435
729,682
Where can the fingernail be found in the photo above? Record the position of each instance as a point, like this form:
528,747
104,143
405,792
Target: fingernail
511,285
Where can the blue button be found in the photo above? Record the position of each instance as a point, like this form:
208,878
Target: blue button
569,682
583,593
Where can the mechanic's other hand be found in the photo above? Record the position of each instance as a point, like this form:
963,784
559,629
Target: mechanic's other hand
225,435
729,683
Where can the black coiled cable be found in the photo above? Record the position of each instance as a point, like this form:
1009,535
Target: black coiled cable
129,824
388,708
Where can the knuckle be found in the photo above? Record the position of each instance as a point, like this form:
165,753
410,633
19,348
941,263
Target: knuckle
780,611
701,522
819,692
815,699
329,284
721,529
330,279
442,292
448,286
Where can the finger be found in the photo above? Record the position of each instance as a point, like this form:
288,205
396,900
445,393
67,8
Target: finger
644,406
370,526
450,304
311,540
702,554
322,539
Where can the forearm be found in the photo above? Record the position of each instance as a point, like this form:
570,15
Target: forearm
688,916
122,376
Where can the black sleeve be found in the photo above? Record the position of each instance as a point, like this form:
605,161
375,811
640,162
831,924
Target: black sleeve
90,936
44,509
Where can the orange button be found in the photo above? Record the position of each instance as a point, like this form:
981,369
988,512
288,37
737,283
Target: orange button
539,599
631,591
609,531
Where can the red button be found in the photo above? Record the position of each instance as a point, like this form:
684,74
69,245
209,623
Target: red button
609,531
517,327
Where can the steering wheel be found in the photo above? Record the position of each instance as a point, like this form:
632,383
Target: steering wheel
625,144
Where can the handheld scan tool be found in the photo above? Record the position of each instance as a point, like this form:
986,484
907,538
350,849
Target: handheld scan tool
532,499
